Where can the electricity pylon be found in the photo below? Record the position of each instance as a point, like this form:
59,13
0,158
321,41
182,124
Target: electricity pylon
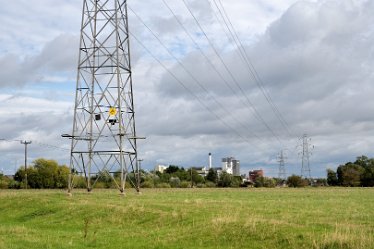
306,153
104,141
282,168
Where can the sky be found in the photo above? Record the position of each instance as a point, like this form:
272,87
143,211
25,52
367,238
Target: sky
313,61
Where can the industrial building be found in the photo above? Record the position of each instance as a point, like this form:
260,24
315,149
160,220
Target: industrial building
160,168
254,174
231,166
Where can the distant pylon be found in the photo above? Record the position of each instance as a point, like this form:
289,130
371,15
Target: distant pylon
104,141
306,152
282,168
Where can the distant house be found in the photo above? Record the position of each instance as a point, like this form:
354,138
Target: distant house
254,174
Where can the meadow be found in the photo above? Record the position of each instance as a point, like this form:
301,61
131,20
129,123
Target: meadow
188,218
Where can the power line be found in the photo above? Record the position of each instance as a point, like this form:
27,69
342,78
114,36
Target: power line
203,54
257,114
191,92
49,146
191,74
251,69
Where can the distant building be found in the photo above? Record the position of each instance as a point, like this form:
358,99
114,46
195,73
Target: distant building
201,170
231,166
160,168
254,174
11,177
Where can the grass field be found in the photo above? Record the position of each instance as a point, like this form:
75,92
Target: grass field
189,218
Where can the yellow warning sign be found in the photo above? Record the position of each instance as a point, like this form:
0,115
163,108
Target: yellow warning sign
112,111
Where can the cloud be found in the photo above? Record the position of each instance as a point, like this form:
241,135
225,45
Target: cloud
58,56
315,59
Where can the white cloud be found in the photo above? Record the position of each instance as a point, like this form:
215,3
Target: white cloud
315,59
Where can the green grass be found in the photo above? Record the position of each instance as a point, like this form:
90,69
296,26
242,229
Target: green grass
325,218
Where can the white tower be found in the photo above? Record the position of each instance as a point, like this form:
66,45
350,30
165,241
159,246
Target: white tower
210,160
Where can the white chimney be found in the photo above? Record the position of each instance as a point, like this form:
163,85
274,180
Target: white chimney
210,160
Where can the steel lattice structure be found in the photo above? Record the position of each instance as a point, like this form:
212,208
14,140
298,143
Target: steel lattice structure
104,138
305,166
282,168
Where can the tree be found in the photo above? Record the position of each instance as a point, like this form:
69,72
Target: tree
367,177
175,182
296,181
33,179
172,169
4,181
44,174
265,182
196,178
362,161
47,170
225,180
236,181
332,179
349,175
181,174
212,176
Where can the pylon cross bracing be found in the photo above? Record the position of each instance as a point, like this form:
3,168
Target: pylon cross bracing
104,141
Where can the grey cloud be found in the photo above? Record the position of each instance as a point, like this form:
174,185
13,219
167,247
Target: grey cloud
58,56
315,62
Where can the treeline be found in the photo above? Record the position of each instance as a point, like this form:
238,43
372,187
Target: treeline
178,177
359,173
42,173
47,174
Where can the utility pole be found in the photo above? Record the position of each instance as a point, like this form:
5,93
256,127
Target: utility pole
282,168
306,153
139,167
26,143
191,178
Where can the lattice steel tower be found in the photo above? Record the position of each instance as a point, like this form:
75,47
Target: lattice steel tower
104,137
282,168
306,152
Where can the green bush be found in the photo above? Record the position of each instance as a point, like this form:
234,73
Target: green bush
185,184
174,182
14,184
44,174
147,184
295,181
163,185
209,184
4,182
200,185
236,182
265,182
225,180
